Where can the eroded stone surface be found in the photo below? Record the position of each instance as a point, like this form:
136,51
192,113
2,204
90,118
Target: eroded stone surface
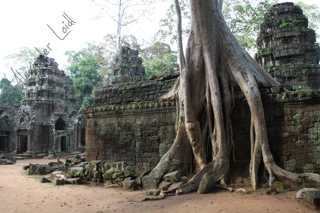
288,49
129,124
47,121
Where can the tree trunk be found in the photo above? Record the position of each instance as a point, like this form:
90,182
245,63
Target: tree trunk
215,64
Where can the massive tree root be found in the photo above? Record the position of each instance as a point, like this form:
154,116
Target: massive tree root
215,64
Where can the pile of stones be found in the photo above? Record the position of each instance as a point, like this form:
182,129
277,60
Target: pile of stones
7,159
309,197
77,170
40,169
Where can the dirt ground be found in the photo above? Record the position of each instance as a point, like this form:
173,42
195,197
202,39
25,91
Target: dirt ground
23,194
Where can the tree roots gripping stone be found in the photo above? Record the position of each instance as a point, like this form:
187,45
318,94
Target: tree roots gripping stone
215,63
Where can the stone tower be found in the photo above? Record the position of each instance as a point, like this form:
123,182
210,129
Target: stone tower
46,118
288,49
127,66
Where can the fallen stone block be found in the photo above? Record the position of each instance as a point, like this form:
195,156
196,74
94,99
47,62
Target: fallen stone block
309,196
7,159
75,172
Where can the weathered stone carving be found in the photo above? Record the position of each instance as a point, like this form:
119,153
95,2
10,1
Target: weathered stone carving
287,48
129,123
127,66
48,100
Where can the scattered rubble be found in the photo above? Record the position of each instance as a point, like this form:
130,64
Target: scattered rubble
309,196
7,159
59,178
77,170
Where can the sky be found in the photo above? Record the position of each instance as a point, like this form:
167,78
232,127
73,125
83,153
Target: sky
25,24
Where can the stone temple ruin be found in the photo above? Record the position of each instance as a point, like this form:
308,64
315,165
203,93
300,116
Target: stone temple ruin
130,125
289,52
7,129
47,121
287,48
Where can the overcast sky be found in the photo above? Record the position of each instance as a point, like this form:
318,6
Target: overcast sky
24,24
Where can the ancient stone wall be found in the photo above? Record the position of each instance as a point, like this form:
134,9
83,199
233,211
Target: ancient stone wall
289,52
293,130
129,124
287,48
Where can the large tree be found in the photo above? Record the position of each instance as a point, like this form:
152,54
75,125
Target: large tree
158,59
243,17
215,64
10,95
84,69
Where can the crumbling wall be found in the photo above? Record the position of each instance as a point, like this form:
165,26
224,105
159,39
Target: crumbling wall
289,52
129,123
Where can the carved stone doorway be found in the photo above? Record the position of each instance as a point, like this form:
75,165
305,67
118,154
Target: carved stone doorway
22,144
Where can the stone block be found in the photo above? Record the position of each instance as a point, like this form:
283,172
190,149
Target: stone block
310,196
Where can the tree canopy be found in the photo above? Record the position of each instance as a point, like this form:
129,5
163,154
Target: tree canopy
158,59
9,94
242,16
84,69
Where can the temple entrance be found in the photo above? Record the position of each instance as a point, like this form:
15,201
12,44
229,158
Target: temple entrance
22,144
60,124
63,144
4,142
83,137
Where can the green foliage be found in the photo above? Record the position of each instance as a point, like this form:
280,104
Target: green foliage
84,72
159,60
284,24
87,102
164,64
244,18
10,95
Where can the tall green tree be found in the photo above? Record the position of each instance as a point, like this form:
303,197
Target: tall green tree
9,94
244,18
158,59
84,71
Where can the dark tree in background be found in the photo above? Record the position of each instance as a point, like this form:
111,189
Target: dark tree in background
10,95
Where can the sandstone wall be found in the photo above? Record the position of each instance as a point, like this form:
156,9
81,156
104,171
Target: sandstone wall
129,124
